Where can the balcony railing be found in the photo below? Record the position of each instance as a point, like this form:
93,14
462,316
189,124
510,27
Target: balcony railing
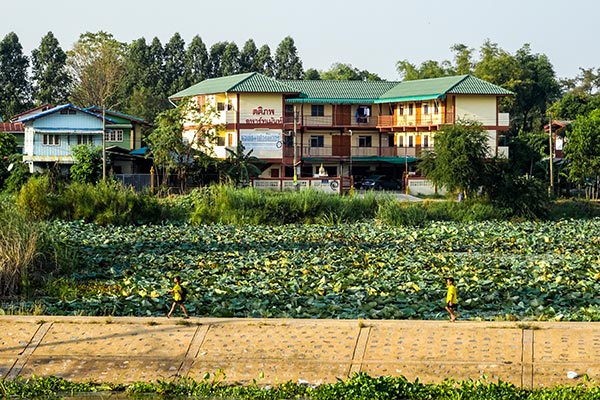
355,151
391,121
332,120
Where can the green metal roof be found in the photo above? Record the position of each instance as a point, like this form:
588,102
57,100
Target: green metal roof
340,92
437,88
252,82
345,92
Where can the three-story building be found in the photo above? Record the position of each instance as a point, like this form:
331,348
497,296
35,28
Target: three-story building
345,128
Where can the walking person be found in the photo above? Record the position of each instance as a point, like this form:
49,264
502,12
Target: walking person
178,292
451,299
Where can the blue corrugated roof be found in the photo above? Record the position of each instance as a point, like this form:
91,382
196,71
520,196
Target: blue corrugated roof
58,109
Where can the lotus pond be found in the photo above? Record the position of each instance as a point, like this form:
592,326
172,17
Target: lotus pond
504,271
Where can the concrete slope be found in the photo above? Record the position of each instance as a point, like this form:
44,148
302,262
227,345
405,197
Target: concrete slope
271,351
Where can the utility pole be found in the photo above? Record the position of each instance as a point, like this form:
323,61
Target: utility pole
551,188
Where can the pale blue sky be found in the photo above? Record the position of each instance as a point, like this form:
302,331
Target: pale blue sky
371,35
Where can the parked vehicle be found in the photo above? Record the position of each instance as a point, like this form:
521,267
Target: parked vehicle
380,182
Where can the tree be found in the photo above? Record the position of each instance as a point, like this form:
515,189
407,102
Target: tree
96,65
174,64
345,72
174,149
88,163
8,147
264,62
197,66
97,69
240,166
428,69
248,61
215,59
230,61
458,158
583,152
49,68
15,88
287,63
312,74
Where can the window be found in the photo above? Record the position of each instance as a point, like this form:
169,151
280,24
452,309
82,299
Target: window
51,140
115,135
391,140
317,110
317,141
400,140
411,141
436,107
425,140
220,141
410,109
220,106
401,110
425,108
85,139
364,141
68,111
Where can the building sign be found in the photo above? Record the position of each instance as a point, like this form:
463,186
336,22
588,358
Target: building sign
264,143
262,116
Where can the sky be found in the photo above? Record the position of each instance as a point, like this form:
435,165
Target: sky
369,35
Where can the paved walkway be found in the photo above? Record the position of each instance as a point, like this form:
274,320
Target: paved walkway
273,351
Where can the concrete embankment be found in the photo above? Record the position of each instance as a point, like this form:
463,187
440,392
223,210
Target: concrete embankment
271,351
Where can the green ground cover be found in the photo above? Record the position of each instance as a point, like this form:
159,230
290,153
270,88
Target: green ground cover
504,270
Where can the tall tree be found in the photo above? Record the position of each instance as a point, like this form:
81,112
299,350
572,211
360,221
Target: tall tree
176,153
428,69
458,158
51,78
8,147
231,59
312,74
463,59
583,151
174,67
15,88
215,59
287,63
96,65
248,57
141,92
264,61
197,66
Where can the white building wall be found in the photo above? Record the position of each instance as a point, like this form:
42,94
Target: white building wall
478,108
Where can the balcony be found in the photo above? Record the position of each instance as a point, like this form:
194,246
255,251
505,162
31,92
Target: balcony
403,121
355,151
329,121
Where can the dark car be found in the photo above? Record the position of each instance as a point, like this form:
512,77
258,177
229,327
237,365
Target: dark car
380,182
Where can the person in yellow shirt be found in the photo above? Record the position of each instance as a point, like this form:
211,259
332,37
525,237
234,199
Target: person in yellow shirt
451,299
177,297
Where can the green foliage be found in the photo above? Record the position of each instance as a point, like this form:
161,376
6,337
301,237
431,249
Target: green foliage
36,199
504,270
287,63
458,158
97,70
18,250
105,203
8,148
18,175
359,386
88,163
423,213
48,64
225,204
240,166
15,88
583,151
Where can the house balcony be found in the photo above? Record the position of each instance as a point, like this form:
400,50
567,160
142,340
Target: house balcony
408,122
335,152
330,121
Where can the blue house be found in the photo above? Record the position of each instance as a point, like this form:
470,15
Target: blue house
50,136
